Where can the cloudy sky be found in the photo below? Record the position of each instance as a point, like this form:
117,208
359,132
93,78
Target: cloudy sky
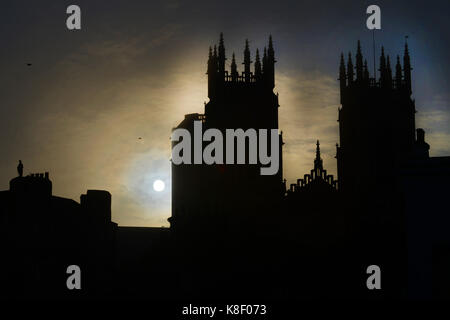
136,67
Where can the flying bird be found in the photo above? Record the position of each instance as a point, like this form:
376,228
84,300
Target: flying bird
29,64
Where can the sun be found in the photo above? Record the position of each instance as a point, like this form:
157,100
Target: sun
158,185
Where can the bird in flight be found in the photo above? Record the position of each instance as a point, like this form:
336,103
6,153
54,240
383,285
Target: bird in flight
29,64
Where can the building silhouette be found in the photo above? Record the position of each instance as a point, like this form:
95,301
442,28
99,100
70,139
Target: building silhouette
317,179
237,100
43,234
381,157
235,233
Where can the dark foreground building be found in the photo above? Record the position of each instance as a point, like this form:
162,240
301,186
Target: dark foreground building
238,234
42,235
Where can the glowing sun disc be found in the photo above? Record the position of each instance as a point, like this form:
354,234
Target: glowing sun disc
158,185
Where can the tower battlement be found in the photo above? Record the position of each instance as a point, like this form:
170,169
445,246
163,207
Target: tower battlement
377,130
351,82
221,80
236,101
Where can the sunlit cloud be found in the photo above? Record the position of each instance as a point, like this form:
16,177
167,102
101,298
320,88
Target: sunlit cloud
97,107
308,112
435,119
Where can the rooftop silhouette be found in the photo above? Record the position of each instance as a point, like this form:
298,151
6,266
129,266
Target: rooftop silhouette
237,234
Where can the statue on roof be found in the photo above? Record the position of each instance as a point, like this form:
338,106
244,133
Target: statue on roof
20,168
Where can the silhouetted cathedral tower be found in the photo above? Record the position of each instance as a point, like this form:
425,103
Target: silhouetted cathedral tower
244,100
237,100
376,124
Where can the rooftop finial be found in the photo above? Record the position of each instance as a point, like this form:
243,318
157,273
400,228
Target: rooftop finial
382,67
366,72
264,60
398,73
359,63
247,62
388,72
234,73
257,65
317,149
221,55
318,160
271,51
350,72
342,76
406,44
407,67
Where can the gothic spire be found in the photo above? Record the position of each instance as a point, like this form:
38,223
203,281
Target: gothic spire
247,62
318,160
210,57
359,63
270,63
212,72
342,68
257,66
388,72
264,60
398,73
342,76
271,51
350,72
234,73
382,68
317,150
221,56
407,68
366,75
382,60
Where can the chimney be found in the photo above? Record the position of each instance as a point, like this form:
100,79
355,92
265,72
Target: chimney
420,135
